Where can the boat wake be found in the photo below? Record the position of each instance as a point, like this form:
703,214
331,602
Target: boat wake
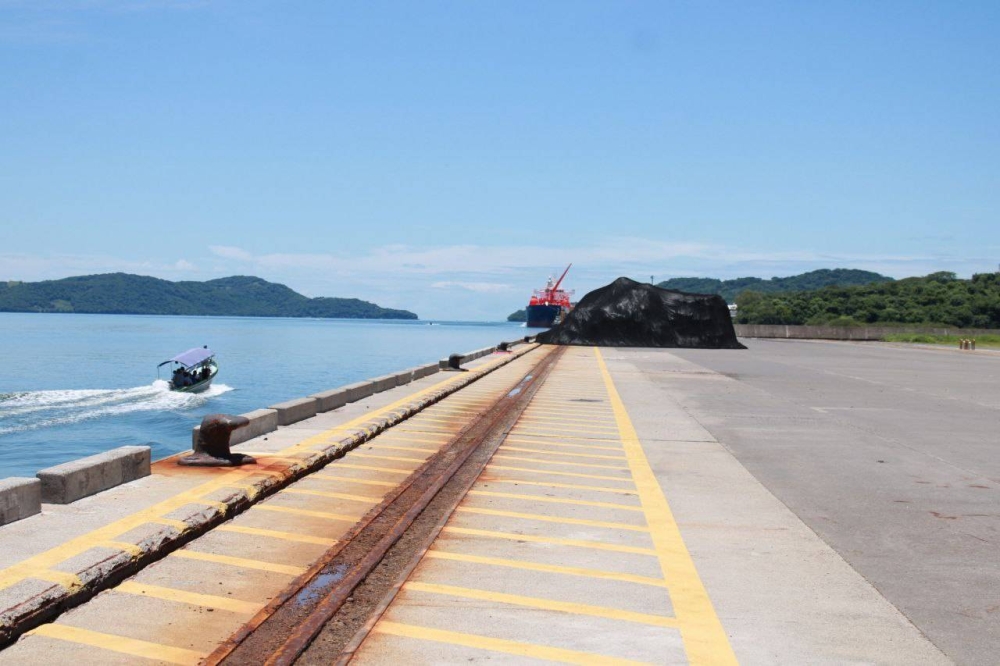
31,410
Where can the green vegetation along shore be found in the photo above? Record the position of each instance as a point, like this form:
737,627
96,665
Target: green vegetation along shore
731,289
982,341
520,315
936,299
240,296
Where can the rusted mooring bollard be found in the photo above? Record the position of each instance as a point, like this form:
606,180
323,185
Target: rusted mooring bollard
212,447
455,363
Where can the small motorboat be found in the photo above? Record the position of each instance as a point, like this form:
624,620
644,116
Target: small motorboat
192,371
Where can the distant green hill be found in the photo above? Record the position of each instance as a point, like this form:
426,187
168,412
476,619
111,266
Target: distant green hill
730,289
240,296
520,315
938,298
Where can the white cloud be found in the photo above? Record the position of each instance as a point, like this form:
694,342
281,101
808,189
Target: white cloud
185,265
230,252
481,287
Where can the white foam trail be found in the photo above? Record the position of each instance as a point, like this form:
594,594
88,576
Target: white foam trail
32,410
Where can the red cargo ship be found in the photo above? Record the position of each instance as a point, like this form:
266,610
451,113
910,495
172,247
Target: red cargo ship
548,306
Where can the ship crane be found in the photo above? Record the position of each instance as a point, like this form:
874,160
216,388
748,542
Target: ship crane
561,277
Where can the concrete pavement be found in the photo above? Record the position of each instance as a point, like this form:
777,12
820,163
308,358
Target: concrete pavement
562,553
888,453
794,503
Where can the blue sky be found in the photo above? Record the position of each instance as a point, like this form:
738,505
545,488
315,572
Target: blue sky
446,157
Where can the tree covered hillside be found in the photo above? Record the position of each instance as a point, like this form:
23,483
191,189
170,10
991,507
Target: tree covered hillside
731,289
520,315
121,293
939,298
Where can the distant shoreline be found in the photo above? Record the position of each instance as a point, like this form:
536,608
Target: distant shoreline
236,296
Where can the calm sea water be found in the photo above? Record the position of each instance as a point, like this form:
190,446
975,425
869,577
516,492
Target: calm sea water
73,385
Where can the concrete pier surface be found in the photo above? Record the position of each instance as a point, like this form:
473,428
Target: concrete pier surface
793,503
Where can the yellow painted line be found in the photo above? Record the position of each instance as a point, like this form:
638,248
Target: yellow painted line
392,438
501,455
68,580
584,425
243,562
507,468
378,446
426,430
347,479
276,534
556,500
541,418
576,402
589,416
221,507
552,519
705,640
343,465
534,432
366,456
578,543
368,499
596,410
544,604
543,401
529,428
275,455
306,512
551,484
515,648
119,644
37,565
417,420
446,406
546,568
549,452
251,490
580,411
551,442
178,525
192,598
130,548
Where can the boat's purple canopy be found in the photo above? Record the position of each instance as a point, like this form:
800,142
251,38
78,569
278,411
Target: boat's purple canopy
192,356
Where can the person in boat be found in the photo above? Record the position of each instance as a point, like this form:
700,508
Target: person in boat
178,378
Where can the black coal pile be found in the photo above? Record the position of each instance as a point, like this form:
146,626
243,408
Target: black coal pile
627,313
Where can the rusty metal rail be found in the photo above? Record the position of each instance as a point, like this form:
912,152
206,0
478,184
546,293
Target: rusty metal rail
282,631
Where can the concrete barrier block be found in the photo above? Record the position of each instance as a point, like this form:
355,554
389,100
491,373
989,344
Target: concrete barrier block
359,391
331,399
71,481
293,411
426,370
405,377
20,497
262,421
384,383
